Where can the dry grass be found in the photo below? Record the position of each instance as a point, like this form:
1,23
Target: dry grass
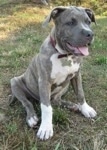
21,35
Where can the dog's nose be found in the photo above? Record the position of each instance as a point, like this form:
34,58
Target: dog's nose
87,33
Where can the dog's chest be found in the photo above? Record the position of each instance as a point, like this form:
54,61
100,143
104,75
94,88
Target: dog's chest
62,67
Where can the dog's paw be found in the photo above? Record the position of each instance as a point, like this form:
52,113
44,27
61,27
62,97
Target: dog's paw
32,121
45,131
87,111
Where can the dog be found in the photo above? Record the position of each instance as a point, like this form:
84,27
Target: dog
57,66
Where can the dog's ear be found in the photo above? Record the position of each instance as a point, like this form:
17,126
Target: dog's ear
54,14
91,15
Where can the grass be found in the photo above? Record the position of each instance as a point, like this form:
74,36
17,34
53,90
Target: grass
21,35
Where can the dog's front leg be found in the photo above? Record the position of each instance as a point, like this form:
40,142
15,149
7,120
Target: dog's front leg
46,128
83,107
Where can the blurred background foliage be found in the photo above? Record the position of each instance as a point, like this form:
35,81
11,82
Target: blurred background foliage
99,6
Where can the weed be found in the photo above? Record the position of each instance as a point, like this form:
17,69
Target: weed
101,60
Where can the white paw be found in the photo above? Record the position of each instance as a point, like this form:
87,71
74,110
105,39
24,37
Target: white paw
45,131
87,111
32,121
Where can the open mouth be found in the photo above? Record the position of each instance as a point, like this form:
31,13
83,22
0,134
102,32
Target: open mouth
82,50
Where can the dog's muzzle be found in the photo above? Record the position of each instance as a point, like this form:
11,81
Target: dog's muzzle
81,48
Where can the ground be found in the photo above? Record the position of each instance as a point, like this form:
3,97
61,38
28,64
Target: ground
21,35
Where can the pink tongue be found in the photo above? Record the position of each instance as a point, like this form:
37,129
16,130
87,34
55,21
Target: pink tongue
84,50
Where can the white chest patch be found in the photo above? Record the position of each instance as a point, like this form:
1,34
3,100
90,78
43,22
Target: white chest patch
62,67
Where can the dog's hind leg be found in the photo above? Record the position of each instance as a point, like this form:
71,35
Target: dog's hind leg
17,88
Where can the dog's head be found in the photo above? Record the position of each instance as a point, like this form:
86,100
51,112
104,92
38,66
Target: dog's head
72,28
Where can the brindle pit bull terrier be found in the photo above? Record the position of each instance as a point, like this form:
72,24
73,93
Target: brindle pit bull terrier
56,66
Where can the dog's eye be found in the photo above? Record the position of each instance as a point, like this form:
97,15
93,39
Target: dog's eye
72,22
88,22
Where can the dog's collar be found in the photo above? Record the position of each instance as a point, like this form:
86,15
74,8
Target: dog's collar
53,42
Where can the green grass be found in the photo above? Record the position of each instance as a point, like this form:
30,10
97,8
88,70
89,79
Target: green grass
21,36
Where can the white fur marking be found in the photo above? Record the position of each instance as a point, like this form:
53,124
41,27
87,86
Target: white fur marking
59,73
87,111
84,26
32,121
46,128
59,49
